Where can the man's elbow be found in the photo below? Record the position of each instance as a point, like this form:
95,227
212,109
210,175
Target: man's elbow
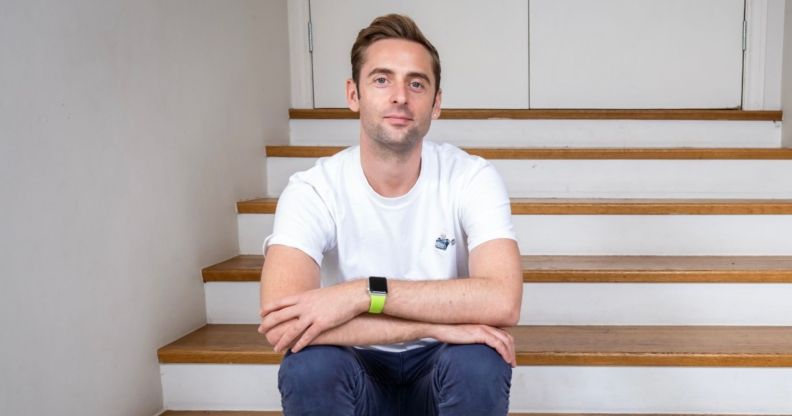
510,316
514,306
506,311
510,308
505,314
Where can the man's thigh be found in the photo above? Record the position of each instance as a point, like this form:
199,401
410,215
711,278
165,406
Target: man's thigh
330,380
463,380
439,379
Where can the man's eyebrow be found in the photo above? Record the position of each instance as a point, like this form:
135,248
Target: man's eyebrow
420,75
387,71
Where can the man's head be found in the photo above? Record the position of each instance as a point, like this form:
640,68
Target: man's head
391,26
394,88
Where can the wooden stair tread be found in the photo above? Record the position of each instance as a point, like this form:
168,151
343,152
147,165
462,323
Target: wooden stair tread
599,269
606,206
625,206
701,346
493,153
242,268
560,114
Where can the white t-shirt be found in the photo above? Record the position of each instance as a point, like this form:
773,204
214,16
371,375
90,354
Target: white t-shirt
331,213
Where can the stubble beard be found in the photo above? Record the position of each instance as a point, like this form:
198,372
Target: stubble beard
393,144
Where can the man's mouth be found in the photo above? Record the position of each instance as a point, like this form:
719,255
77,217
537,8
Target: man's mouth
398,118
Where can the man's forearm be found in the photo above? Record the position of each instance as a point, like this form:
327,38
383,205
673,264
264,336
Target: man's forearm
374,330
459,301
491,296
364,329
382,330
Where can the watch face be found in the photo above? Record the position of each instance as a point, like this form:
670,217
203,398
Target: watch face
378,284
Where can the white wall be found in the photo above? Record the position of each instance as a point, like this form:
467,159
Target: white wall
128,130
786,77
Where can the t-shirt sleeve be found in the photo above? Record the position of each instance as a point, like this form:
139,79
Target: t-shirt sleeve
303,221
485,208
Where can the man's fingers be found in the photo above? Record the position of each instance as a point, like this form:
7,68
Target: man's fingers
498,345
276,318
504,342
290,335
501,341
513,348
278,304
508,341
487,337
309,335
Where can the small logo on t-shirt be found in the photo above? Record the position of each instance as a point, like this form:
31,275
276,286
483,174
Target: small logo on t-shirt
443,242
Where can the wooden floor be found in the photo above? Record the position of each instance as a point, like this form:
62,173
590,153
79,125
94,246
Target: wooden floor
677,346
219,413
277,413
591,269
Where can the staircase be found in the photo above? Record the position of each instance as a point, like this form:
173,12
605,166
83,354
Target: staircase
657,277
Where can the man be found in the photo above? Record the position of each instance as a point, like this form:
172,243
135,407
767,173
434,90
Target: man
428,268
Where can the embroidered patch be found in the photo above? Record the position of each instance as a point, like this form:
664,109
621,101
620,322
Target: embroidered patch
443,242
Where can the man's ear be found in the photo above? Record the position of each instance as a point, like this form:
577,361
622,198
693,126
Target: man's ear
438,99
352,98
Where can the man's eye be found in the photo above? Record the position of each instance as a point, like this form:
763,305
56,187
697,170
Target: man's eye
416,85
380,80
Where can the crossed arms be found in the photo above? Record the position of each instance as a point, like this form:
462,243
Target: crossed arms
296,312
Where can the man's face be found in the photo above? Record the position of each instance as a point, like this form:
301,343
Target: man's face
396,98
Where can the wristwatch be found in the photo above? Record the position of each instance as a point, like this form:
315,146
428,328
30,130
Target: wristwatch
378,291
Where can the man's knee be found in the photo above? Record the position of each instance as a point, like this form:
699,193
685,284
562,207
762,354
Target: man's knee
472,380
474,361
320,380
318,366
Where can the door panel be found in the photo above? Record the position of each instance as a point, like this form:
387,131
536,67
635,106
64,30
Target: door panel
483,47
636,53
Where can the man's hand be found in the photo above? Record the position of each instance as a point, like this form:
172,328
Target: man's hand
313,312
500,340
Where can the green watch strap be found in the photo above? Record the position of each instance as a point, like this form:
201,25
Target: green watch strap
378,292
377,302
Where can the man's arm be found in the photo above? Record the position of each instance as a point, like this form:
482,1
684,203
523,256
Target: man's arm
491,295
291,294
377,329
288,271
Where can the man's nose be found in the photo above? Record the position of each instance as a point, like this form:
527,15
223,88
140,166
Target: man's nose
399,93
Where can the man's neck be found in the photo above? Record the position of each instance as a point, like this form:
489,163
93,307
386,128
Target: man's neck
390,175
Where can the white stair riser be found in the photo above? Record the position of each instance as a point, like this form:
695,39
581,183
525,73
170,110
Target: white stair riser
613,178
560,133
534,389
655,234
220,387
616,234
586,304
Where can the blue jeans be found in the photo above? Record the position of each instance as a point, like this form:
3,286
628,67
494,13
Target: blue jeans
439,379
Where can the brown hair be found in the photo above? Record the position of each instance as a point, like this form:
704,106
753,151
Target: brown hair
391,26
